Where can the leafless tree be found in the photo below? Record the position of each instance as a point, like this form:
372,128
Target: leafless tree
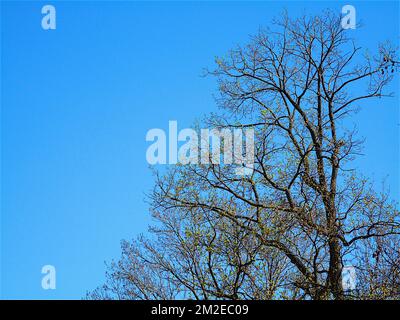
286,229
195,255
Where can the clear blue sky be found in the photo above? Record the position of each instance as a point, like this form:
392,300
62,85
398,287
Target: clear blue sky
76,105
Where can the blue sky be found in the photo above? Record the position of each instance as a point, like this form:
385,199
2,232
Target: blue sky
77,102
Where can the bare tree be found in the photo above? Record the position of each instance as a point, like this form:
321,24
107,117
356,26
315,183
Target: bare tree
195,255
295,85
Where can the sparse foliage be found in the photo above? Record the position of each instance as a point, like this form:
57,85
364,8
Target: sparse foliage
286,230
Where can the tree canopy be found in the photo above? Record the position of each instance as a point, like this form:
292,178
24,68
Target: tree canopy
287,229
